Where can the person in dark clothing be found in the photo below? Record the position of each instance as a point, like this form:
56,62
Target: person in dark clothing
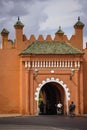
72,109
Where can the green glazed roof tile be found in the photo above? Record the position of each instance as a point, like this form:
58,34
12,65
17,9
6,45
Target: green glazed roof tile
19,23
59,31
79,23
4,31
45,47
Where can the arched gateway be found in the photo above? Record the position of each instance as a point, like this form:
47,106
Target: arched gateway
53,73
49,68
53,90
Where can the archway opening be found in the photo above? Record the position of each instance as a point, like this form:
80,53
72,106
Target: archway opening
50,94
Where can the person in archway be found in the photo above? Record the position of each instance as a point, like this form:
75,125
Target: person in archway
59,108
72,109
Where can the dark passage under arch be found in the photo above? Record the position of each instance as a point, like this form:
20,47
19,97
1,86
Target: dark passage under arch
50,95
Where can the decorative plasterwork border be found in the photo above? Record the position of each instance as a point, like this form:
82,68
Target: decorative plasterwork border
56,80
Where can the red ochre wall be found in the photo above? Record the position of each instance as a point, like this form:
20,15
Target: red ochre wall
17,85
29,86
9,81
85,81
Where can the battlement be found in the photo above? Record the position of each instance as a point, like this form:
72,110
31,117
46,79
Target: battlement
8,44
21,41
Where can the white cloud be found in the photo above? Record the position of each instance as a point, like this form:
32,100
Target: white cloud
84,42
43,16
60,12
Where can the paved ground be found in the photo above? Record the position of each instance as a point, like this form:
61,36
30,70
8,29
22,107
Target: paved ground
43,122
28,127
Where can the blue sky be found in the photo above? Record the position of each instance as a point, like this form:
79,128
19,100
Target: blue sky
43,16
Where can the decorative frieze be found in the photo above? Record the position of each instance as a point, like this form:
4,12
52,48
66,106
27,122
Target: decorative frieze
52,64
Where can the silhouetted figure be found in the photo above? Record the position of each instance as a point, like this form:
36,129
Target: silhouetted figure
72,109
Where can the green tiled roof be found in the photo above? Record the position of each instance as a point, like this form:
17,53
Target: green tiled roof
59,31
4,31
19,23
45,47
79,23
